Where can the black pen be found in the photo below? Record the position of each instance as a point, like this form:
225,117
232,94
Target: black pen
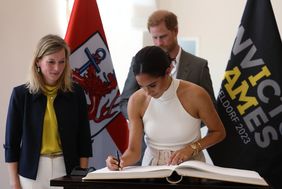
118,159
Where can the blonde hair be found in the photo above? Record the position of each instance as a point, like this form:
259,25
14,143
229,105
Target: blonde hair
47,45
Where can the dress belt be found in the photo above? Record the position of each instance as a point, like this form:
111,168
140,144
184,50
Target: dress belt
52,155
160,157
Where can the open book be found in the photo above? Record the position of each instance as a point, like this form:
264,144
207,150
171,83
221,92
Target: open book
190,168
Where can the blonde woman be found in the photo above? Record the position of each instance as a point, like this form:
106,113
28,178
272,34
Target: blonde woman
47,129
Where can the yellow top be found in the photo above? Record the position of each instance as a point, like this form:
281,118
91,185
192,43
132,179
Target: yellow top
51,142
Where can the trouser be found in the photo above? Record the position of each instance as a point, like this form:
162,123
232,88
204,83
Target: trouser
48,168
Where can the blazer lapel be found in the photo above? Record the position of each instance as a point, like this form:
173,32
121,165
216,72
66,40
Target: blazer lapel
184,66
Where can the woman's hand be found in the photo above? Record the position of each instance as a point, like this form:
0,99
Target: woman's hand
13,175
180,156
113,163
16,185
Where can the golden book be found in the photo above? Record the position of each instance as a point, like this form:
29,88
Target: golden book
190,168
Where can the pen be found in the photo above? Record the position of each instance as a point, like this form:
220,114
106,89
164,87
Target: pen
118,159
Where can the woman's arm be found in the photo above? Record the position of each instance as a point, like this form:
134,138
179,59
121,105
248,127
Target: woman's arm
14,135
133,152
197,102
208,114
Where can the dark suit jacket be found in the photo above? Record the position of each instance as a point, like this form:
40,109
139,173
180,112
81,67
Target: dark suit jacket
191,68
25,125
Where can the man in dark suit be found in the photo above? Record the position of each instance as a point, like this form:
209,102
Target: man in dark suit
163,27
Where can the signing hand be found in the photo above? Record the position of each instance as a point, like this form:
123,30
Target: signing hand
113,163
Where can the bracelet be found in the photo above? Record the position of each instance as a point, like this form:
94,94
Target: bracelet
196,147
200,146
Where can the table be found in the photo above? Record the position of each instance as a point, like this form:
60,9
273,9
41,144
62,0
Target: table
76,182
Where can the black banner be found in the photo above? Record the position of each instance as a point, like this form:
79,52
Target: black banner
250,99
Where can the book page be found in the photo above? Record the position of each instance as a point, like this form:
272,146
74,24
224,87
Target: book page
219,170
203,170
132,172
136,169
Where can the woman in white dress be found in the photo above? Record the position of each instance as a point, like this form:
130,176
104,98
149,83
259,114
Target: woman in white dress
168,112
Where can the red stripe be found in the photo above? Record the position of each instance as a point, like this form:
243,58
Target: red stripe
118,130
84,22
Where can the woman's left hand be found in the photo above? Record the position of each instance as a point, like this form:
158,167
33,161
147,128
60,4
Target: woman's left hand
180,156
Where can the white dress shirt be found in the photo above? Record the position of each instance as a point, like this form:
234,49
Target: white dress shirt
175,64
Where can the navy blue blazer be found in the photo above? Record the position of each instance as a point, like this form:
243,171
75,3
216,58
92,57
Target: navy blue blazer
24,128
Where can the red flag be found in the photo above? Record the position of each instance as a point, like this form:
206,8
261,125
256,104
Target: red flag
93,70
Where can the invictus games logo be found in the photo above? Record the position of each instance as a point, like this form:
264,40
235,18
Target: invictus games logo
250,96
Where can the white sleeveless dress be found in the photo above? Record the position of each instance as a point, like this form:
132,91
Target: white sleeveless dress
168,127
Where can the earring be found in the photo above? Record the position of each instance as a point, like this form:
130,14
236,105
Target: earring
38,69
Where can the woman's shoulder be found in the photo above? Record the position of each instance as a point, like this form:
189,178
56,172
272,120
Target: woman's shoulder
139,95
139,99
183,84
23,88
138,102
190,89
20,92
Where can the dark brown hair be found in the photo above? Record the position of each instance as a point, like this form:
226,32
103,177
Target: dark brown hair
151,60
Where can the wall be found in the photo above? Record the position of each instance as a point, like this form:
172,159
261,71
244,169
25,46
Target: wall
214,23
22,24
124,26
